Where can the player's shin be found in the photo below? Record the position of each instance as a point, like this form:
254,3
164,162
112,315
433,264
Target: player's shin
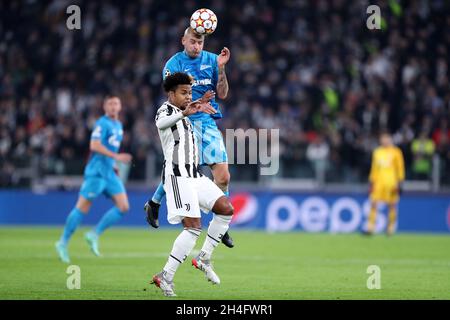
72,222
182,247
392,219
159,194
217,228
372,218
111,217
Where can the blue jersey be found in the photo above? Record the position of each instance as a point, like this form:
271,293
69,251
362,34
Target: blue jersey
110,134
204,70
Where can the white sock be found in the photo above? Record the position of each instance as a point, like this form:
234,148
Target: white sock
217,228
182,247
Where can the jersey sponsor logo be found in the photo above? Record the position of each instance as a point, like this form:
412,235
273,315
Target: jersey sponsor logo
204,66
114,139
203,82
97,133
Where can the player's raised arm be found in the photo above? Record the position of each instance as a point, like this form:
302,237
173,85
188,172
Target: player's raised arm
222,82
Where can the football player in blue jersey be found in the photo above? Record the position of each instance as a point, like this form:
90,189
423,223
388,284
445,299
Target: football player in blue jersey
100,177
208,72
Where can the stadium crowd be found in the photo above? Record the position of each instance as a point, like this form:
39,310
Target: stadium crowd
310,68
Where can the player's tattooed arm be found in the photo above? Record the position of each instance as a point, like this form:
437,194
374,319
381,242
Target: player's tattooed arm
222,82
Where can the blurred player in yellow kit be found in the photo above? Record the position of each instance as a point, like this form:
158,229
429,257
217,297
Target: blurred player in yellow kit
386,175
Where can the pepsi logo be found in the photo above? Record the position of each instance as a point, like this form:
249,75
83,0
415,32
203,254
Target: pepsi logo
245,208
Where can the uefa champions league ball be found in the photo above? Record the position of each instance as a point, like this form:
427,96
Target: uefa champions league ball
203,21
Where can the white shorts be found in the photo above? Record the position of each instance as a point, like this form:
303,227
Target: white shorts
187,196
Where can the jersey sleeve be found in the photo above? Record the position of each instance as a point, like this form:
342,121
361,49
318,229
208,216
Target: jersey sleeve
171,67
166,117
99,132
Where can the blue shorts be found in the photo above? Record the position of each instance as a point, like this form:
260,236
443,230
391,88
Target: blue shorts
93,186
210,143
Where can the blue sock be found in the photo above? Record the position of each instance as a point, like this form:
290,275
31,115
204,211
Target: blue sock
72,222
159,193
112,216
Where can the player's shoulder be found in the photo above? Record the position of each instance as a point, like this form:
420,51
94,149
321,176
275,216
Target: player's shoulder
102,121
176,58
397,150
166,107
210,56
377,149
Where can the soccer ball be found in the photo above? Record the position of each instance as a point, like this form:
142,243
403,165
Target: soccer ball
203,21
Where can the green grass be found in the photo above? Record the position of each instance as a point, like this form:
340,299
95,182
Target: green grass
261,266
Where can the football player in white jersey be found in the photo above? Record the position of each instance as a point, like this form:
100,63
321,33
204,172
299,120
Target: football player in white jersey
187,190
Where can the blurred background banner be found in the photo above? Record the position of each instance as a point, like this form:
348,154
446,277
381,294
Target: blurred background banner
259,210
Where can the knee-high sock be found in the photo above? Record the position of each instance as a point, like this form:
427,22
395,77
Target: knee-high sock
217,228
181,249
111,217
372,219
72,222
392,218
159,193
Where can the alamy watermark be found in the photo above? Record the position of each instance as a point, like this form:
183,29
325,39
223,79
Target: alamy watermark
74,278
250,146
374,20
374,280
73,22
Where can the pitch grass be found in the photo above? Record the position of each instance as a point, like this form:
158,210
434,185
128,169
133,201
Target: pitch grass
261,266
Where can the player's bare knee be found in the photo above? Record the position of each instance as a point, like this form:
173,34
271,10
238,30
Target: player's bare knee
123,207
223,207
229,209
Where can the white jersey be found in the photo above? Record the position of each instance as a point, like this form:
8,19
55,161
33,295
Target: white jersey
178,142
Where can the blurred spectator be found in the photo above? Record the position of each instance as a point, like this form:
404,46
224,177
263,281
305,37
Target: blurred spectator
300,66
422,151
318,153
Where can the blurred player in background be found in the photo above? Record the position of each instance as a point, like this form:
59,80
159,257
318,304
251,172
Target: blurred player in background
386,176
208,71
186,188
100,177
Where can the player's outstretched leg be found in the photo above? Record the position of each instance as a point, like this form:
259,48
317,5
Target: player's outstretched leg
217,228
73,220
111,217
181,249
